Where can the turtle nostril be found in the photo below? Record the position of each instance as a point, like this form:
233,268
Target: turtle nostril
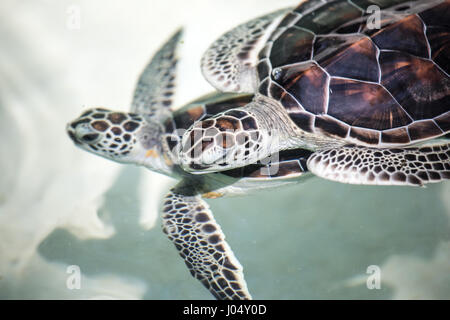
78,122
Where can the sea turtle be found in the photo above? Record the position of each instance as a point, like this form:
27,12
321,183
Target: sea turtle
363,84
303,138
150,136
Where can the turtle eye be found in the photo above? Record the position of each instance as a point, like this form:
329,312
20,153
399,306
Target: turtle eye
90,137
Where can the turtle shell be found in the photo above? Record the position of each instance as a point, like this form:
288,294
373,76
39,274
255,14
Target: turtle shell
337,75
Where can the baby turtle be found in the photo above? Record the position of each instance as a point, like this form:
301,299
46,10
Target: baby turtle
363,84
303,93
150,136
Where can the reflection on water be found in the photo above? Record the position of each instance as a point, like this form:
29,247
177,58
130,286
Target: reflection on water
307,241
60,206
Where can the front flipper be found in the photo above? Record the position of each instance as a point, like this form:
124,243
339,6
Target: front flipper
229,64
190,225
361,165
155,87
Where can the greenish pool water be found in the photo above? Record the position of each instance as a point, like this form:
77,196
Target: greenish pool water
302,242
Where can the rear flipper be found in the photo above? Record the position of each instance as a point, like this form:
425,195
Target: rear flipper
190,225
361,165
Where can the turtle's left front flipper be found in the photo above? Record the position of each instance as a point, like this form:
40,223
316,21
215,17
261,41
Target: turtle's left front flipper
190,225
371,166
155,88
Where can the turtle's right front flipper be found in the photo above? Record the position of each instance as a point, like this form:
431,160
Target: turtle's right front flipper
190,225
229,64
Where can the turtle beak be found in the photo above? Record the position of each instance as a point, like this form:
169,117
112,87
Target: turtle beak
71,132
81,132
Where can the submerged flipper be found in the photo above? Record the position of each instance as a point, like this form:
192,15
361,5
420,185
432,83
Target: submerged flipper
229,64
361,165
190,225
155,87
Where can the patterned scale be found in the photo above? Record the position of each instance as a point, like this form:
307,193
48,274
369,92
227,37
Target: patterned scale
338,75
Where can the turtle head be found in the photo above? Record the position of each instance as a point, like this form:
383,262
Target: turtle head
120,136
